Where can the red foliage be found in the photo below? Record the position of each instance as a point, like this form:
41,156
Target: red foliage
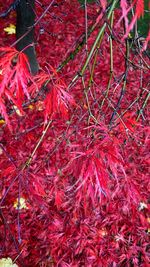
139,11
15,77
77,153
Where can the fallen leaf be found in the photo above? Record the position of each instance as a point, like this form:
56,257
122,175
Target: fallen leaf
20,204
2,122
7,262
142,206
11,29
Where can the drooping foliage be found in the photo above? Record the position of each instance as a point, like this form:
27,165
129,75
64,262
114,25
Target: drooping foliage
74,186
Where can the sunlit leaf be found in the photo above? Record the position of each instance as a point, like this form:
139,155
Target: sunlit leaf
20,204
11,29
2,122
142,206
7,262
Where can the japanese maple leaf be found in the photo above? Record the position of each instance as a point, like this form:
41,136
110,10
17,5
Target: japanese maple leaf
139,11
147,40
15,77
58,100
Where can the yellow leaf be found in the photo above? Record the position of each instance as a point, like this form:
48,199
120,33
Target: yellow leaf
130,36
2,121
20,204
11,29
7,262
31,106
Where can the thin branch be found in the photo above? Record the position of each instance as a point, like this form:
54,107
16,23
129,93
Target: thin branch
143,106
28,162
111,60
124,83
80,74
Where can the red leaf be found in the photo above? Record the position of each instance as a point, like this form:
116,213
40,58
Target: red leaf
58,101
103,4
38,188
4,112
15,78
139,8
139,11
58,198
146,42
101,175
124,5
